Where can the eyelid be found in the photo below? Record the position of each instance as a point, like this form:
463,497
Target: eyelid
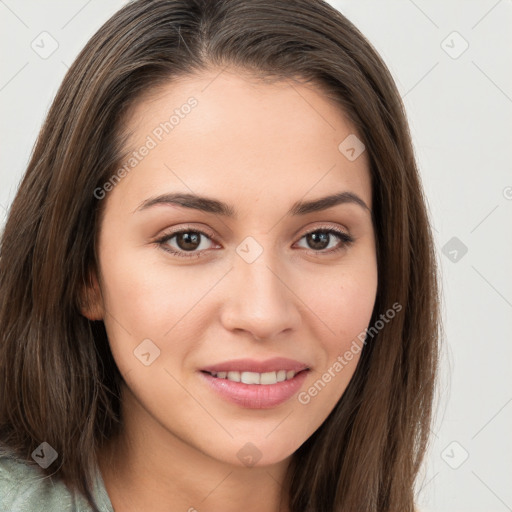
185,228
326,227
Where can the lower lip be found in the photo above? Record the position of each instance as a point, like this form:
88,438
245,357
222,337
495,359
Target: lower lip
256,396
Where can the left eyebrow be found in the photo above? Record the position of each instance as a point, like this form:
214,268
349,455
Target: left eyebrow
210,205
305,207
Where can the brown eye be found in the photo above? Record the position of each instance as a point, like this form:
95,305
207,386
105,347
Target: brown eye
324,240
318,240
189,241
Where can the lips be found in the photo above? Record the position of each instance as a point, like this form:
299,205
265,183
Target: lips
264,388
255,396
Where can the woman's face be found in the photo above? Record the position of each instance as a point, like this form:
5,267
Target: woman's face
248,282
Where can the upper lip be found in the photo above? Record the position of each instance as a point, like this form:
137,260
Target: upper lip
251,365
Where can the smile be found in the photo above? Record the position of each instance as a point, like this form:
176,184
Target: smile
266,378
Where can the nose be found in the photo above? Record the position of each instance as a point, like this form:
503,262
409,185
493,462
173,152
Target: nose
260,301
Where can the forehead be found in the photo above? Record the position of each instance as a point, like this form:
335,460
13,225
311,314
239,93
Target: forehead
278,138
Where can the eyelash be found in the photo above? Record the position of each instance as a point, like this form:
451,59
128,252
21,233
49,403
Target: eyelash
345,238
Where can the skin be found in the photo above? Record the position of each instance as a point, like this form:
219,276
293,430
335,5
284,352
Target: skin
259,147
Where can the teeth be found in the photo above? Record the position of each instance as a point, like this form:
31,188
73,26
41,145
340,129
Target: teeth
250,377
256,378
234,376
268,378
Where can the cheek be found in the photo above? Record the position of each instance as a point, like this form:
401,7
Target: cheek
343,306
150,296
343,301
147,299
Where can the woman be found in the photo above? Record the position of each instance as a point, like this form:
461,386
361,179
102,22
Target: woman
218,282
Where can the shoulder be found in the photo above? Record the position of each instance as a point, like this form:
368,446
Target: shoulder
25,488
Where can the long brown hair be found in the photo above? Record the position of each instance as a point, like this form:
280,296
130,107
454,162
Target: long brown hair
60,383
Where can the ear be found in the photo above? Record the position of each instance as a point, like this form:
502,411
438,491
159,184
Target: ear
91,300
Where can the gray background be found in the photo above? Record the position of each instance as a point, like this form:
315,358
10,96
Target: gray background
459,104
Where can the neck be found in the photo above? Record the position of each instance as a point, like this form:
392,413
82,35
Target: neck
147,467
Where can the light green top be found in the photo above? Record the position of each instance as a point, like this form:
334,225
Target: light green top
25,488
